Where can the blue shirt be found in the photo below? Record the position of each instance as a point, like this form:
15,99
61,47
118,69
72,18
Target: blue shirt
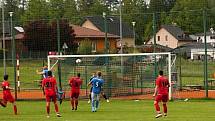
45,73
97,84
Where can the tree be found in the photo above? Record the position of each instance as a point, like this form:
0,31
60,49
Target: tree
40,35
36,10
85,47
188,15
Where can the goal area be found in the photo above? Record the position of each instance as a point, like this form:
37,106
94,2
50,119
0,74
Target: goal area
124,74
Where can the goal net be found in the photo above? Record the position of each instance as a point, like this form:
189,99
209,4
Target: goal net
124,74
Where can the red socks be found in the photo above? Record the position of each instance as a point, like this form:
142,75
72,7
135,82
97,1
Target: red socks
72,103
15,109
157,107
76,104
56,108
164,108
48,109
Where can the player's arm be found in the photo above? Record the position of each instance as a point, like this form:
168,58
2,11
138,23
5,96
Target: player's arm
156,90
90,83
156,87
8,88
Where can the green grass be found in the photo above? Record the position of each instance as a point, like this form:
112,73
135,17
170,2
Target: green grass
116,110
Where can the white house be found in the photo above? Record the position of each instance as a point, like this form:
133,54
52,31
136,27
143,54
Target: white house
210,38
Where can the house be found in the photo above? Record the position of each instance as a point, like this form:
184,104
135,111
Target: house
210,38
195,51
18,37
97,38
113,27
171,36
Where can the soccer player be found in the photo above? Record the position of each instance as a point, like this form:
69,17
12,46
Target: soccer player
75,83
102,92
49,86
96,83
161,94
7,96
44,72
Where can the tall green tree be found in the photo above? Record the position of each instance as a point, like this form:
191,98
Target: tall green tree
35,10
188,15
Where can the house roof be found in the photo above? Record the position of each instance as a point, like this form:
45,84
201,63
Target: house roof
83,32
189,46
19,36
177,32
113,25
207,34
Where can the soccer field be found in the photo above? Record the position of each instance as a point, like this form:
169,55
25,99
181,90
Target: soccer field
116,110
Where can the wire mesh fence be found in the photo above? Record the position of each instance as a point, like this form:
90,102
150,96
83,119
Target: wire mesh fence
136,30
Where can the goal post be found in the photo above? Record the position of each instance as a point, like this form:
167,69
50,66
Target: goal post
137,78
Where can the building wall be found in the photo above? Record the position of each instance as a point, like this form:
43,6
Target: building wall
166,39
208,39
100,43
88,24
126,41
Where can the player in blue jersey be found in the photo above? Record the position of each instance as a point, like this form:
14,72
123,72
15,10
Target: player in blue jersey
102,92
44,72
96,83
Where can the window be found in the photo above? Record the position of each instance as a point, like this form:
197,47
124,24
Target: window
166,37
158,38
93,46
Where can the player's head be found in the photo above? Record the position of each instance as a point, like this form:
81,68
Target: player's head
99,73
6,77
161,73
49,73
45,67
79,75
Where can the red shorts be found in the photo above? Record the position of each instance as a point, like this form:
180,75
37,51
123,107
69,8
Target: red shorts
51,97
162,97
8,97
75,95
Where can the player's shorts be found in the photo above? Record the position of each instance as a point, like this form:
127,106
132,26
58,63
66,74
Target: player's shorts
8,97
50,98
162,97
74,95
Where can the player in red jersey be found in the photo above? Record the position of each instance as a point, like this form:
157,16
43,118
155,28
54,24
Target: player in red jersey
161,94
49,86
75,83
7,96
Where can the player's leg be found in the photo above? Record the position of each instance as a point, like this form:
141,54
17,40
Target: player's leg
14,108
54,99
72,101
157,107
93,101
90,95
3,104
97,101
48,108
105,97
76,100
12,100
164,100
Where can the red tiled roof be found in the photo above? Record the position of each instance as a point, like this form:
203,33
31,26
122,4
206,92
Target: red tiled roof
19,36
82,32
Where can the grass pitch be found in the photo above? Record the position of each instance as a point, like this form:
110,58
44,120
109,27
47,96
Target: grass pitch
116,110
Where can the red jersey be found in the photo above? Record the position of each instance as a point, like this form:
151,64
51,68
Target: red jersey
75,83
4,85
163,85
49,85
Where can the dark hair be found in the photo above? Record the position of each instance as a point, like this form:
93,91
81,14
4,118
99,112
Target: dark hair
6,77
161,73
49,73
99,73
79,75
